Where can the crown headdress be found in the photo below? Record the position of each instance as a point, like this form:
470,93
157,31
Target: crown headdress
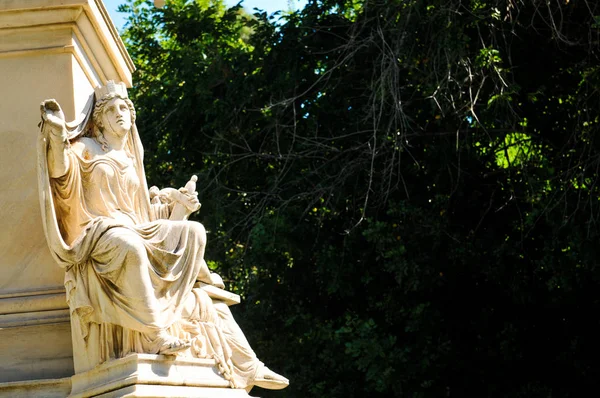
111,87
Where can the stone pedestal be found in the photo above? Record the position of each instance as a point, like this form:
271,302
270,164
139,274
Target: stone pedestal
49,388
48,49
145,375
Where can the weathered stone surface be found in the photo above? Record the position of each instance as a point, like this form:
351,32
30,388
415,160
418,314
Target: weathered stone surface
144,375
47,48
47,388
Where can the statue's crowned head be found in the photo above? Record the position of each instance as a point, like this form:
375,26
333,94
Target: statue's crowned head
105,96
106,93
111,87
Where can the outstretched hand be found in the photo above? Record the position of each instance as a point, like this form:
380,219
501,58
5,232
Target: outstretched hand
54,116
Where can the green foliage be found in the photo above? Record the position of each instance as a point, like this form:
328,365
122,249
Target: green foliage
404,192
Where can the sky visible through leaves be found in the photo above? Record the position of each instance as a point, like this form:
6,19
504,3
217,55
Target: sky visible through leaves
406,194
270,6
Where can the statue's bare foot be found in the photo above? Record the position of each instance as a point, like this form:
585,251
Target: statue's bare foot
266,378
172,345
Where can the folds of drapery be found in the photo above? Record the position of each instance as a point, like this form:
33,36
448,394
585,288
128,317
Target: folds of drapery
126,281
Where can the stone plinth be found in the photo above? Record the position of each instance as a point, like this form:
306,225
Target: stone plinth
145,375
50,388
48,49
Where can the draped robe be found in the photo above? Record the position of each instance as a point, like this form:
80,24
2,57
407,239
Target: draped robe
129,272
132,272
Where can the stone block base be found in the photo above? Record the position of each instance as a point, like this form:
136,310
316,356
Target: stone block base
145,375
48,388
147,391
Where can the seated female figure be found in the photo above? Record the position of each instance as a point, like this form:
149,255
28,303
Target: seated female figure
130,270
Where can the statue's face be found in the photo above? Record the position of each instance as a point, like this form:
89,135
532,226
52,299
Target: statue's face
116,117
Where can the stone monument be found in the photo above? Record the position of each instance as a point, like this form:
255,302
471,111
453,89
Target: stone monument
145,316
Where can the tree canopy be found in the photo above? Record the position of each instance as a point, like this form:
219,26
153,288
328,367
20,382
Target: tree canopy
404,192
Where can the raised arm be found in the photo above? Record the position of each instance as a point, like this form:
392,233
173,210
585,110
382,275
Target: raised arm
56,130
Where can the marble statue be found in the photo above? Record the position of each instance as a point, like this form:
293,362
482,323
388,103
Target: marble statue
131,258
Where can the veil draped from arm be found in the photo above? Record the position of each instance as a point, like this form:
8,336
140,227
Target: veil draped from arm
63,253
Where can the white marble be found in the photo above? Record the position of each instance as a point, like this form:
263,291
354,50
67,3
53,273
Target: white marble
47,48
46,388
189,376
131,258
63,49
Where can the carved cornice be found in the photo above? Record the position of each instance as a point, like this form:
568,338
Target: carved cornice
33,308
88,20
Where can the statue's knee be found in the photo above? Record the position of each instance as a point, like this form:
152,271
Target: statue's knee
223,310
136,251
198,231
